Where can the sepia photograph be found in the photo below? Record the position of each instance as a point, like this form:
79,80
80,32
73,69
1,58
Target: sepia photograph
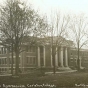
43,44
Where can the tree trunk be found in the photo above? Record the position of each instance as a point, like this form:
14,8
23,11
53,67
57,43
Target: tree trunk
17,60
78,60
54,70
12,60
53,58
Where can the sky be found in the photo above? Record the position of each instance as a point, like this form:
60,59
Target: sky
66,6
45,7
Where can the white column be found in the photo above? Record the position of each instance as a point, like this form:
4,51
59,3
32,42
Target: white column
1,61
51,58
56,57
76,61
80,61
22,61
21,64
6,50
66,58
38,56
61,58
8,60
1,50
44,55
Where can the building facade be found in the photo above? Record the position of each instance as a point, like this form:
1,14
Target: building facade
83,56
41,56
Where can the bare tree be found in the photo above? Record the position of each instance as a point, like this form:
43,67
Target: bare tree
77,33
59,24
16,21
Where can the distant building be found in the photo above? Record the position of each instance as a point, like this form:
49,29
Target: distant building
39,55
83,56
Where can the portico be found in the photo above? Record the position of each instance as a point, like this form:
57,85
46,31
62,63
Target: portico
61,57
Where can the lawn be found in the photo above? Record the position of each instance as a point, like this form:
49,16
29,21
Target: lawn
35,80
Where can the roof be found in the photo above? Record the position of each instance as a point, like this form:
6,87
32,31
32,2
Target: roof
60,41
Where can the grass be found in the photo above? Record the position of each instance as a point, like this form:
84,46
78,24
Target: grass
66,80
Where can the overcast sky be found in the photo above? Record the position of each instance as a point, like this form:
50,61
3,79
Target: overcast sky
71,6
67,6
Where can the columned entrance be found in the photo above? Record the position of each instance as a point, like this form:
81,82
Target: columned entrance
44,56
66,57
38,56
56,57
62,57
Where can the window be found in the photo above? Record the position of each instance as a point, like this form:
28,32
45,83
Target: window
31,60
34,60
71,53
10,50
0,61
3,50
27,48
5,60
27,60
75,52
71,58
41,49
30,49
0,69
9,60
0,50
5,69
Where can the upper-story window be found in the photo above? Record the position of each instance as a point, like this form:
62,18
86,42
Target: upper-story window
71,53
31,60
76,52
3,50
31,49
41,49
71,58
3,61
10,60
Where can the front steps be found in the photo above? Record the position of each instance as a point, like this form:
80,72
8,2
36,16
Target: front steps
64,69
61,70
57,69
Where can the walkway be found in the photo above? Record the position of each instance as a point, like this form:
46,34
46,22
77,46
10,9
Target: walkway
61,72
45,72
5,74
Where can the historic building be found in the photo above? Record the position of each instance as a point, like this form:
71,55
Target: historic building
83,56
40,55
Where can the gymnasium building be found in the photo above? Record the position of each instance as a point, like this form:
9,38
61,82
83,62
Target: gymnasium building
39,55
